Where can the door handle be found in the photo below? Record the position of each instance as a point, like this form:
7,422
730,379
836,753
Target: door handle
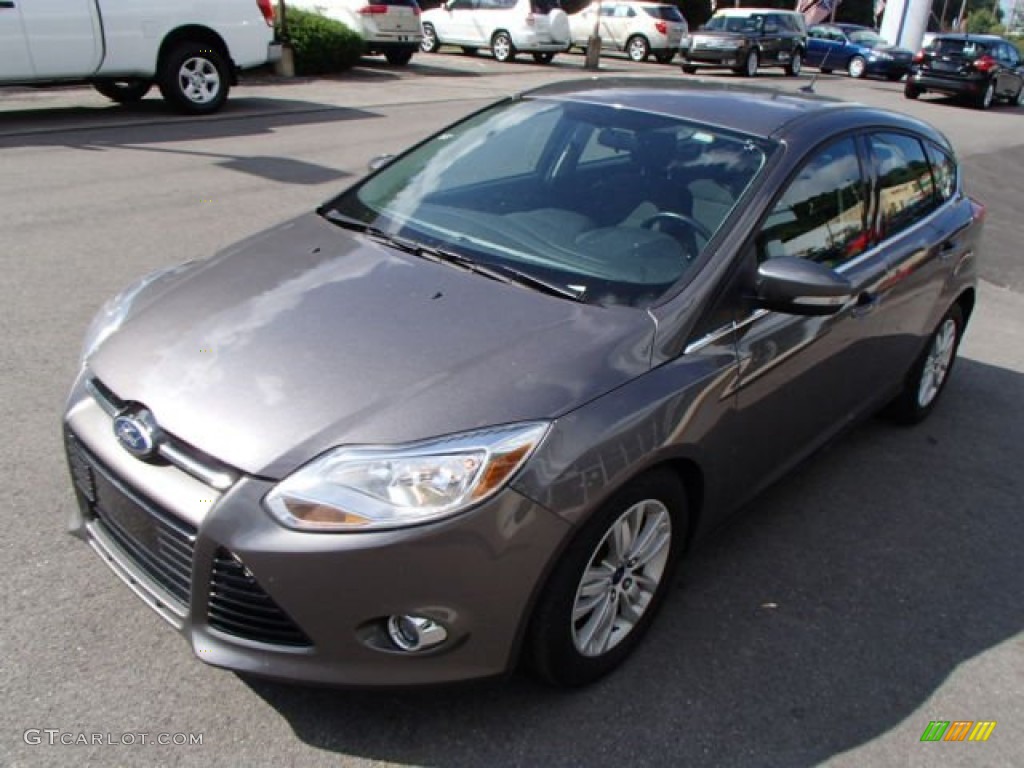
866,303
946,249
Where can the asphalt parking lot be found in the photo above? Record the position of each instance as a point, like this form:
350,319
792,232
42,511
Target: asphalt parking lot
876,589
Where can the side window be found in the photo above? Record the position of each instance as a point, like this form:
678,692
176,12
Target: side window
944,172
905,187
461,5
821,215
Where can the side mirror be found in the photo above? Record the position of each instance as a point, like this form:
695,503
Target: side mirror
379,162
801,287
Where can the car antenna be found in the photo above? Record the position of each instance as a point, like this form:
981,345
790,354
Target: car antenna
809,88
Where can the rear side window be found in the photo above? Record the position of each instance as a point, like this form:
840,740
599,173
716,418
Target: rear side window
666,12
944,173
906,191
822,214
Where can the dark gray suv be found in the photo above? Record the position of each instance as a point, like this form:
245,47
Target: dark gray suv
746,39
483,401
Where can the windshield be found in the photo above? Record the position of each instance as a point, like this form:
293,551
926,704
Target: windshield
607,204
745,24
866,37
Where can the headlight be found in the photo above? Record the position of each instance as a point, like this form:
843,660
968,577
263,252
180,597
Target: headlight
116,309
355,489
879,56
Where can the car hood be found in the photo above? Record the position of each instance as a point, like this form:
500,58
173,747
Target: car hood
309,336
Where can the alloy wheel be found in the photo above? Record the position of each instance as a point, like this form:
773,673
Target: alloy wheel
199,80
937,363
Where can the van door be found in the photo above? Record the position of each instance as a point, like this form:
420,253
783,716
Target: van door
64,37
15,62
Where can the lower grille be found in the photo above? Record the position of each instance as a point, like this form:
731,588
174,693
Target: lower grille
159,544
238,606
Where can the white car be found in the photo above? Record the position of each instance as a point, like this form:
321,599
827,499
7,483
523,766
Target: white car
388,27
641,29
507,27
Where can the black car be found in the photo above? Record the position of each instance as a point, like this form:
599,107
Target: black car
981,68
745,39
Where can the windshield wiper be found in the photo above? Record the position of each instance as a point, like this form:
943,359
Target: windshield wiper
500,272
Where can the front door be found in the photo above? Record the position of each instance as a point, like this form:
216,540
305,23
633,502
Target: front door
64,36
15,61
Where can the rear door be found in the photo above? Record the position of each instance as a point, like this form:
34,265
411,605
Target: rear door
64,36
15,61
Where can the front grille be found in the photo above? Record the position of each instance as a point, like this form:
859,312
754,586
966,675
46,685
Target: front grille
238,606
158,543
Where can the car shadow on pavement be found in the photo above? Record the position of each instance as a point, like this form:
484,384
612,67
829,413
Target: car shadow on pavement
821,618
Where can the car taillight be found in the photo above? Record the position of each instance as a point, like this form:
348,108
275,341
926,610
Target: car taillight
372,10
919,57
662,27
267,9
985,64
530,21
978,210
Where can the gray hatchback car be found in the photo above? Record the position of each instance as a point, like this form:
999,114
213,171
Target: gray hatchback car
480,404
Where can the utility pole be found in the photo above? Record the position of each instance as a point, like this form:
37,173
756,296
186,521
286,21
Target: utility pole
593,60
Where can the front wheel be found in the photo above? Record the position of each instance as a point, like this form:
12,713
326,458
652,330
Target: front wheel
610,581
195,78
123,91
796,63
856,67
502,48
928,377
751,64
912,91
637,48
987,96
429,43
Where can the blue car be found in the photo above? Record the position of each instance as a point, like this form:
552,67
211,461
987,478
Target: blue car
859,50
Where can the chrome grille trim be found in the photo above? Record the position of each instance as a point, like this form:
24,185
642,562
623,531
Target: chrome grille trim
208,470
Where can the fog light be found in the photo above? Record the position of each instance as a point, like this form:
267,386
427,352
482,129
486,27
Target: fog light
415,633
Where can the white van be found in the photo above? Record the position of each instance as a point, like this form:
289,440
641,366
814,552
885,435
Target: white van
192,51
388,27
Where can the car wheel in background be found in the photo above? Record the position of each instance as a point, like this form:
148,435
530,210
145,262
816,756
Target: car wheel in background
430,43
399,58
987,96
912,91
665,58
543,58
796,63
123,91
928,377
195,78
502,48
856,67
894,77
687,69
637,48
610,581
750,64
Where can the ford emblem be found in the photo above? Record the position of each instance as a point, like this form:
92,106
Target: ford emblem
136,432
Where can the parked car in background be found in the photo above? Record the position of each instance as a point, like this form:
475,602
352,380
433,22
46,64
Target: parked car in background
478,405
388,27
191,51
861,51
746,39
507,27
641,29
980,68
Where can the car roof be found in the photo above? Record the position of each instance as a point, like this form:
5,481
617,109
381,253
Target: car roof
748,11
746,109
968,36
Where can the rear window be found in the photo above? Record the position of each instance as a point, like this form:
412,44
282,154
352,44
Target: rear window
950,46
666,12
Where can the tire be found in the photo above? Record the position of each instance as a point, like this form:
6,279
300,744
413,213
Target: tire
911,91
430,42
928,377
665,58
987,96
544,58
689,70
502,48
795,64
469,50
750,64
1019,100
856,67
399,58
194,78
637,48
123,91
568,651
826,70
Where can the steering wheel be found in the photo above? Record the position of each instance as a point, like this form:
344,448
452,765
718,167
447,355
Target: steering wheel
682,218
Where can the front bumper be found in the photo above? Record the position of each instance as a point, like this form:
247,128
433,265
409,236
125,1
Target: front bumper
713,57
253,596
